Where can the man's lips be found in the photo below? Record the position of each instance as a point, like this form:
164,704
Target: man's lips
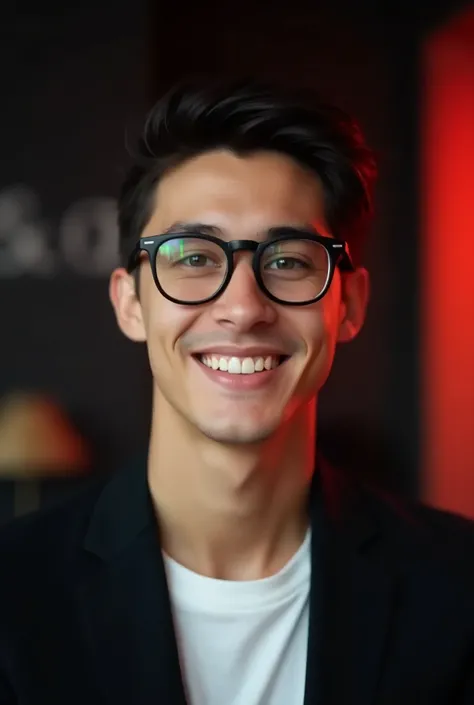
233,364
242,352
240,373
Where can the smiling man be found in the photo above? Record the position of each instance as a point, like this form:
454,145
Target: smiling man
235,566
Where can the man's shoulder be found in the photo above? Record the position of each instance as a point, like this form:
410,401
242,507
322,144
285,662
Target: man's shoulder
426,534
29,542
395,515
425,520
449,523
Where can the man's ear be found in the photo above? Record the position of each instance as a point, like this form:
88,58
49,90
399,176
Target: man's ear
127,307
355,289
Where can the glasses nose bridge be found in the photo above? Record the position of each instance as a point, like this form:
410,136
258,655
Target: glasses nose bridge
235,246
242,245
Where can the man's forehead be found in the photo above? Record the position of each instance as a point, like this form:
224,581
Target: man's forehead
222,175
254,197
209,227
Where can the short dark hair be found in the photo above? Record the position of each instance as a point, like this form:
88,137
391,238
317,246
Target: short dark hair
246,117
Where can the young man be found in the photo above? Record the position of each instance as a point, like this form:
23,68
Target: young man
235,566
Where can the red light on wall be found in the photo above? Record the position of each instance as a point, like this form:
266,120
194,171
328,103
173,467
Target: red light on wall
447,266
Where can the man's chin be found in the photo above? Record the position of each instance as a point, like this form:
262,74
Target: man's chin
238,434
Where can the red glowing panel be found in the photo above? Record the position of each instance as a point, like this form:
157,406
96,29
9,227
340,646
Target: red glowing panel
447,266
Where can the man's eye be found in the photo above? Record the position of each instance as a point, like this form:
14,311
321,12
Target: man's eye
285,263
196,261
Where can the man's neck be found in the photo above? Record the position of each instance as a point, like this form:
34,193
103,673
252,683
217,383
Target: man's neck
232,512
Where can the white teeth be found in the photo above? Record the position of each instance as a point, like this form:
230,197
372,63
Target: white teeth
248,366
244,366
235,366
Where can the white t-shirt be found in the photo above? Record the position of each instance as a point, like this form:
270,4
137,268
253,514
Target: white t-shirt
243,643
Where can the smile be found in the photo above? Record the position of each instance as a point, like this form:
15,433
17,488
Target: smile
241,365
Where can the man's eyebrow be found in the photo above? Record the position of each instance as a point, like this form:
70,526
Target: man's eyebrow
289,229
186,227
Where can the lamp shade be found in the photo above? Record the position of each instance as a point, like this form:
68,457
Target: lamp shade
38,440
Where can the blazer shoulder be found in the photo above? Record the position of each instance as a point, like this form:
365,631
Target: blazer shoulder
404,519
422,531
434,522
28,541
446,525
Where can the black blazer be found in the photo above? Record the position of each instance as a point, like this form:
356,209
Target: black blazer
85,615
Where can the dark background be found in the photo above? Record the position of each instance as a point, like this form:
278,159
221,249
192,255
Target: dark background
76,83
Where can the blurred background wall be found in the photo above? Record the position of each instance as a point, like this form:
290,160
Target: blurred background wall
76,84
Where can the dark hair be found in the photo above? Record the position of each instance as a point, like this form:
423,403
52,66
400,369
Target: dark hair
192,119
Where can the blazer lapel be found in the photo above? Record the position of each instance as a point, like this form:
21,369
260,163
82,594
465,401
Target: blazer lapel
352,598
126,610
125,604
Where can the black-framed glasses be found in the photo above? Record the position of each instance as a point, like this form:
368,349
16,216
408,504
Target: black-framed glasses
292,267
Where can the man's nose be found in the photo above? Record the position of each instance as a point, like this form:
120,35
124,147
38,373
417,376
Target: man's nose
243,305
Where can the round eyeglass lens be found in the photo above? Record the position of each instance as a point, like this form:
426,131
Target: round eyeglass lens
295,271
190,268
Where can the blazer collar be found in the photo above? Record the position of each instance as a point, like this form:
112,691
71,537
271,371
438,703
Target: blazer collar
128,614
351,594
122,512
124,603
124,508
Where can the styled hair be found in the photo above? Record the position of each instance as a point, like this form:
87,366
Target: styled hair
195,118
